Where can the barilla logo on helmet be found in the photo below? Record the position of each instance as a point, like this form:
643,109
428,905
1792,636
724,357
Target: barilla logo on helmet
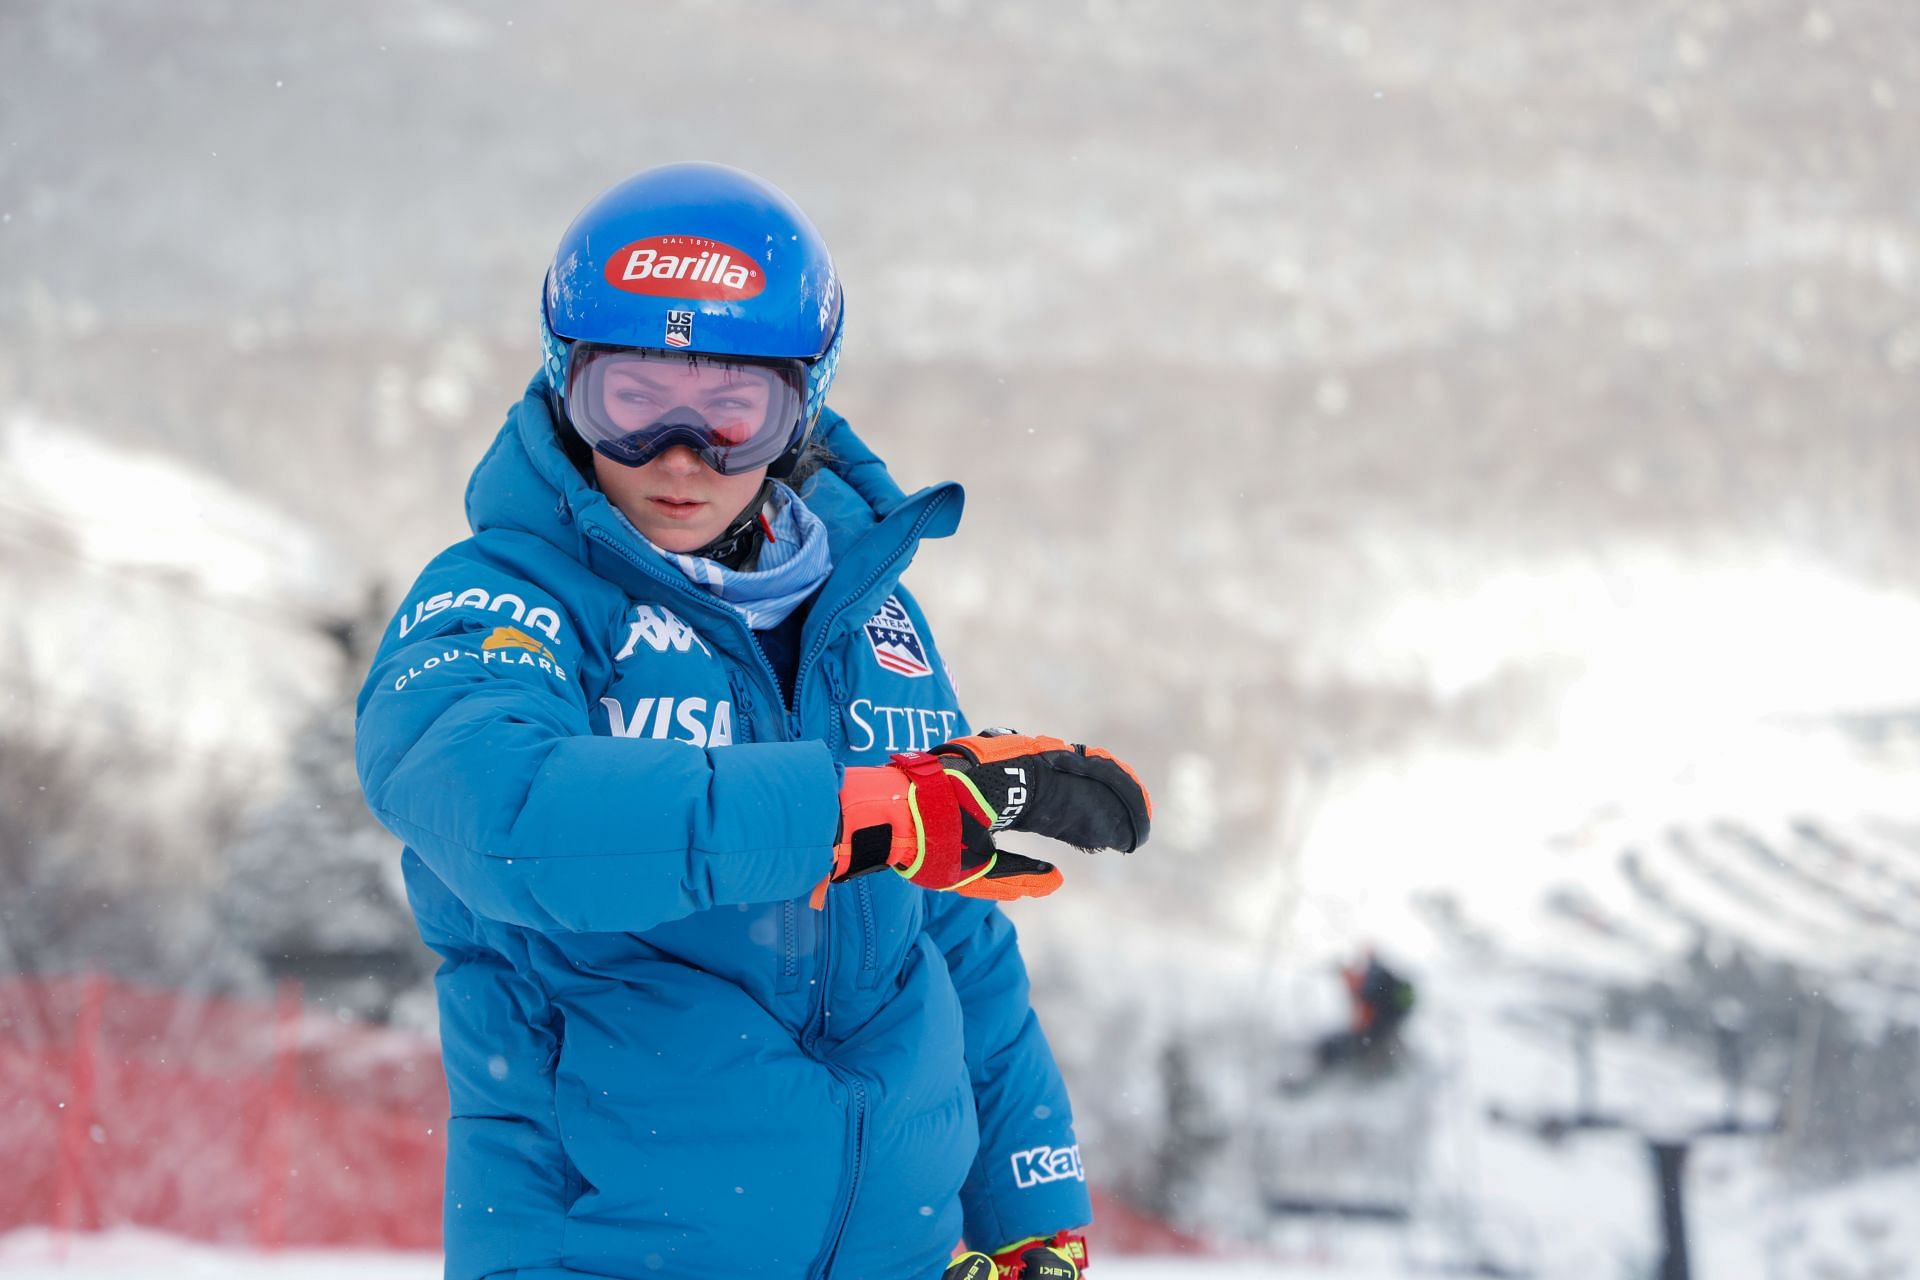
685,267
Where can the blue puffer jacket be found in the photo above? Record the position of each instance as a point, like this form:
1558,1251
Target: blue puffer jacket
662,1062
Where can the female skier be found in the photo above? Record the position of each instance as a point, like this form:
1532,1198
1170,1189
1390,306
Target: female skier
645,733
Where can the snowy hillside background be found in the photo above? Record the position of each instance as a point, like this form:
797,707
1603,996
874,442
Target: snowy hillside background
1464,454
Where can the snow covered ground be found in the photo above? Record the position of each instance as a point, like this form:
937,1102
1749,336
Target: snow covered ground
1867,1229
38,1255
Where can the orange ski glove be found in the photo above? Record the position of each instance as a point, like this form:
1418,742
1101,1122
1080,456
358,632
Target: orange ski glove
923,819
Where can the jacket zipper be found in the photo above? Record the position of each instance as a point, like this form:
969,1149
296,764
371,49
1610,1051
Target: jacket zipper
743,698
838,696
789,948
859,1092
868,972
818,1011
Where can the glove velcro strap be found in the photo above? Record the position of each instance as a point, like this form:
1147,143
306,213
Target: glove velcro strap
936,819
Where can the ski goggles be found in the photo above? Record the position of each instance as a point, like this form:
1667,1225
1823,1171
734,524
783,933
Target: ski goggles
632,405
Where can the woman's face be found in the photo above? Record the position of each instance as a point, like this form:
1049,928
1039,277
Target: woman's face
676,500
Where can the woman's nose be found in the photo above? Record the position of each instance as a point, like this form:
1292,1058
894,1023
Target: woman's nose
681,459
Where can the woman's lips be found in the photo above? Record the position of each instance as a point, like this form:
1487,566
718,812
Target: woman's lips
677,508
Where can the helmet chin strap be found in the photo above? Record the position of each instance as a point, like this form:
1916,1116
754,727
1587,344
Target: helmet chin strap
742,538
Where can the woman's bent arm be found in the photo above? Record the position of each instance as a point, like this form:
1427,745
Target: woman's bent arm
473,746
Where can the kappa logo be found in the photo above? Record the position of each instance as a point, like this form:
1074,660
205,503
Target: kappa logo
540,618
685,267
1047,1164
896,644
690,715
662,629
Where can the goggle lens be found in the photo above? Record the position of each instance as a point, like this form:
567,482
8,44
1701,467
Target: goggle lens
632,405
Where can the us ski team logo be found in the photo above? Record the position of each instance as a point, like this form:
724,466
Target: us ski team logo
896,645
679,328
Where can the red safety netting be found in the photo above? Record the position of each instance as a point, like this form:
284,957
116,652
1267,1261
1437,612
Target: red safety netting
215,1118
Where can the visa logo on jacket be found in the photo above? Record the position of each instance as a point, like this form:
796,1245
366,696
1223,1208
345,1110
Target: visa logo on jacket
660,717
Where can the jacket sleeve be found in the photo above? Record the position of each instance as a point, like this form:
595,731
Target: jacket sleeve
473,746
1027,1179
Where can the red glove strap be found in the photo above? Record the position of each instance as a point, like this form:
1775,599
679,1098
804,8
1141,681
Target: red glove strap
939,816
1073,1244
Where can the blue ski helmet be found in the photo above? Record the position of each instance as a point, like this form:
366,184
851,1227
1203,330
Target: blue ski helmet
701,259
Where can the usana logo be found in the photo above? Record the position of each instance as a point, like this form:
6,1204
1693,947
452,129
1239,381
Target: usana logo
540,618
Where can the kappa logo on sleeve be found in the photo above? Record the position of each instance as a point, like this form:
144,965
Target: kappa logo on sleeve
1047,1164
896,644
662,629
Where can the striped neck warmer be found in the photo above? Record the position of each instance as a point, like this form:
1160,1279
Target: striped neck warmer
793,561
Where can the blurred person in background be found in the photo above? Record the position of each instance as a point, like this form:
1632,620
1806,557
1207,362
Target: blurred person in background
1380,1001
647,734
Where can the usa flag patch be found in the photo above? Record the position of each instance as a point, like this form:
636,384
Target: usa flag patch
896,645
